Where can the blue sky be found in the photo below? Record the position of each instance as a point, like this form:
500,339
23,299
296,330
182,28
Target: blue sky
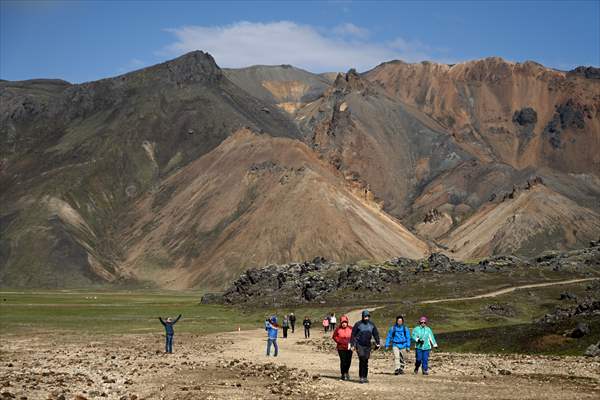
86,40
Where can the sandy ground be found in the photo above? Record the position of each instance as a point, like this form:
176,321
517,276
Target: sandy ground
234,366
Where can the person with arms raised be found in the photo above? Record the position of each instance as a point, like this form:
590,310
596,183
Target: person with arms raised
169,332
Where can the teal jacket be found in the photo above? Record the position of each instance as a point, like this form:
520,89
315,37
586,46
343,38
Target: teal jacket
423,337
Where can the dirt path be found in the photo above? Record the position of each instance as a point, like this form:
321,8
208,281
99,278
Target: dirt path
453,376
508,290
234,365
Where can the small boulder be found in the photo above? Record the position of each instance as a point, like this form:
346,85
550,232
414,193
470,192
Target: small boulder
593,350
580,330
568,296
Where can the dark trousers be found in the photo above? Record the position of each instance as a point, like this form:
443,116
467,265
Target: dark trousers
169,344
363,367
293,326
345,360
332,326
364,353
422,359
285,332
306,332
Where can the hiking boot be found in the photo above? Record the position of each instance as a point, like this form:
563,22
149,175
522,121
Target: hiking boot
397,372
416,371
343,378
362,380
401,372
425,372
347,376
365,380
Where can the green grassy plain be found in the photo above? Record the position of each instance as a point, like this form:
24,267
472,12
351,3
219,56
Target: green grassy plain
460,325
120,312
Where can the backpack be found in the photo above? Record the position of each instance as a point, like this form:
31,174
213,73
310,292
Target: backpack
405,333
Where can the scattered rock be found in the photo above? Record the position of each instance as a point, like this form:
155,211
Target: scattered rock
580,330
593,350
504,310
432,215
525,116
313,281
567,296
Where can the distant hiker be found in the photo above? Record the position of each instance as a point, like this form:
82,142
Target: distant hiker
285,325
326,324
424,340
272,336
398,338
342,335
362,333
169,332
306,323
293,322
332,322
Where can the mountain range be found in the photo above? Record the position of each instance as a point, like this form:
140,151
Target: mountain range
185,174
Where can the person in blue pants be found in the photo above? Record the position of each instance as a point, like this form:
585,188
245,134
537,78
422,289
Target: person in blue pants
169,332
271,328
424,341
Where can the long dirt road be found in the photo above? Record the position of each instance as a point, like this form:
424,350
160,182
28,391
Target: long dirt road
508,290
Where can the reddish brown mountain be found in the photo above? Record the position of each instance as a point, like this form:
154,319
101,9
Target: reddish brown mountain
183,174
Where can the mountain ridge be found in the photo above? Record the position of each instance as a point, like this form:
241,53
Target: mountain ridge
83,164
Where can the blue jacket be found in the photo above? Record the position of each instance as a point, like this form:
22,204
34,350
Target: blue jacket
398,336
271,331
169,325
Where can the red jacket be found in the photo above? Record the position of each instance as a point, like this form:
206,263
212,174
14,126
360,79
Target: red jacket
342,335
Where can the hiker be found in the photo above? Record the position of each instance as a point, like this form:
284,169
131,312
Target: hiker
424,340
307,323
332,322
342,335
326,324
272,336
285,325
293,321
398,338
362,333
169,332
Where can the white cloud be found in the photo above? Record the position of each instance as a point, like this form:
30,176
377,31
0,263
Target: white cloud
351,30
242,44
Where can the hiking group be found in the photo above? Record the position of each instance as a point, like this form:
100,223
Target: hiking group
348,338
360,338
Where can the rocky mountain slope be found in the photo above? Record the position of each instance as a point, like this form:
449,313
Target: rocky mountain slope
253,200
184,174
75,158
